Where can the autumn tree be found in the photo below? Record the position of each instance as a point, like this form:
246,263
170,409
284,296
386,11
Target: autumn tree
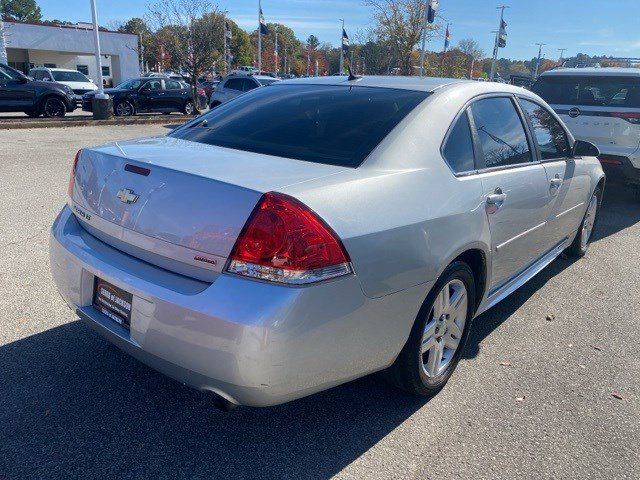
20,10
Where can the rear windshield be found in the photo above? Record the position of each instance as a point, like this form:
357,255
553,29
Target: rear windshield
69,77
266,81
590,90
335,125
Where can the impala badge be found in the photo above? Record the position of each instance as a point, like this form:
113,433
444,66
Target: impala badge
127,196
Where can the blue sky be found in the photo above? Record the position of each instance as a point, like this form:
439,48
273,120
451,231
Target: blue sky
595,27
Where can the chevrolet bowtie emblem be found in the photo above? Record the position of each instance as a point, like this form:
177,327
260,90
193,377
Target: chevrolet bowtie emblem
127,196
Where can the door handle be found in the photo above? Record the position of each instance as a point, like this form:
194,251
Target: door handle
495,200
556,182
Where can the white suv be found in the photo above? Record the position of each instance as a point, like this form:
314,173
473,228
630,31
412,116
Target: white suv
602,106
77,81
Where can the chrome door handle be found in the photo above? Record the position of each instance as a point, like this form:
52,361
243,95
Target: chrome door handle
496,198
556,182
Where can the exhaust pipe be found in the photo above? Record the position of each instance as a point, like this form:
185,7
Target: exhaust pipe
223,404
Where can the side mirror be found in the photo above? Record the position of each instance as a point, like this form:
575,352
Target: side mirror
585,149
23,79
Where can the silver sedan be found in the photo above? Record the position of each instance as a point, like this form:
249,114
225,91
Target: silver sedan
318,230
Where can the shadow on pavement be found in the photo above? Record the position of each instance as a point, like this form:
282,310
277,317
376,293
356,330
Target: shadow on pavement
73,406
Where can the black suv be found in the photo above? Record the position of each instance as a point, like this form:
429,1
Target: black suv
19,93
148,94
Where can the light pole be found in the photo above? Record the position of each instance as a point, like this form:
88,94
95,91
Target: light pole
341,47
102,105
496,43
540,45
424,36
561,50
3,44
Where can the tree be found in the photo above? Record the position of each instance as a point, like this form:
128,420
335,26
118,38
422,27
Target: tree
313,42
286,37
399,25
470,47
20,10
137,26
195,28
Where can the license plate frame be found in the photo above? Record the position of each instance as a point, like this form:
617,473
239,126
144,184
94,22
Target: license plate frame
112,301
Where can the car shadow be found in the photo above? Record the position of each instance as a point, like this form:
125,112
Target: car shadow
74,406
620,210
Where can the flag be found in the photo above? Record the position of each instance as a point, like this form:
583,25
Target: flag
502,34
432,9
447,38
345,40
263,25
227,30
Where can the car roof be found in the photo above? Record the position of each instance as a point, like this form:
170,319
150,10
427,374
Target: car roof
423,84
593,72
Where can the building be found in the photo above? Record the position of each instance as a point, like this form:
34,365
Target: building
72,47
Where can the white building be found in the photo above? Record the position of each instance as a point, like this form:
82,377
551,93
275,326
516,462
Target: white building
30,45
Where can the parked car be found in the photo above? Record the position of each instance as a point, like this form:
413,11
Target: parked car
233,85
19,93
208,86
148,94
319,230
77,81
601,105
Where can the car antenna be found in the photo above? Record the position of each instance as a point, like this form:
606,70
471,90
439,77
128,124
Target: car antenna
351,75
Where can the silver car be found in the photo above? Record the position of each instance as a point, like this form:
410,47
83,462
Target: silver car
236,84
318,230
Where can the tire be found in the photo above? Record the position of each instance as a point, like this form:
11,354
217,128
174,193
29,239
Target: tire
32,113
582,240
419,372
54,107
124,109
189,108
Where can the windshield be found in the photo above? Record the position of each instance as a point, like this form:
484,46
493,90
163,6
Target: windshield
131,84
266,81
69,77
8,73
335,125
599,91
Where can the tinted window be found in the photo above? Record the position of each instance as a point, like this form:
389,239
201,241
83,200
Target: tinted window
249,84
550,136
153,85
106,71
267,81
37,75
500,132
8,73
589,91
336,125
84,69
234,84
172,85
69,77
458,151
130,85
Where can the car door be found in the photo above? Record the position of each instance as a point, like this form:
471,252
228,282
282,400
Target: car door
175,95
569,183
515,187
16,92
151,96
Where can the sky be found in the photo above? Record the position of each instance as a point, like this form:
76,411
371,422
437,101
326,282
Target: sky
594,27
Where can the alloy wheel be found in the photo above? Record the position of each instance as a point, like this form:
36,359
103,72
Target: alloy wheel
54,107
188,108
443,330
589,221
124,109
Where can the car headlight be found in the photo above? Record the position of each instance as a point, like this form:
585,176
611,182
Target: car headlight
67,89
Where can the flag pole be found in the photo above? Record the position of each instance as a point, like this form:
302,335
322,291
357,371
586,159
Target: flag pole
424,37
224,34
341,47
259,38
276,59
495,44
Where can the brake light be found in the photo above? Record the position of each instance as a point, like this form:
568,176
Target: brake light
200,91
72,175
611,160
284,241
631,117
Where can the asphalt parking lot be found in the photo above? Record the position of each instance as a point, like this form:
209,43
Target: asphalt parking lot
534,397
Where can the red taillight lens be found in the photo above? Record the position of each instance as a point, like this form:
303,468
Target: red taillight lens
609,159
631,117
72,175
201,91
284,241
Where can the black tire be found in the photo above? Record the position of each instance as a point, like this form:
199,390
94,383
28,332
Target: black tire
124,108
189,108
54,107
408,372
32,113
579,247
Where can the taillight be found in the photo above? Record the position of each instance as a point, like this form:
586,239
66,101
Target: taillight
201,91
284,241
610,159
72,175
631,117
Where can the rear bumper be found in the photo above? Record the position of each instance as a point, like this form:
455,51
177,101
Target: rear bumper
620,168
251,342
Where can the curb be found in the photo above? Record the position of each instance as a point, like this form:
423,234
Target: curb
82,122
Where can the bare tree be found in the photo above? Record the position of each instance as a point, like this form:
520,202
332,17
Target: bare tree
470,47
399,25
198,28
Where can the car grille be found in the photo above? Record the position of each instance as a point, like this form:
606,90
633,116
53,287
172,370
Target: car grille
81,91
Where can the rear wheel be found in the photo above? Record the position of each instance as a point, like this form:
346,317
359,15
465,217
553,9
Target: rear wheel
437,339
189,108
580,244
54,107
124,109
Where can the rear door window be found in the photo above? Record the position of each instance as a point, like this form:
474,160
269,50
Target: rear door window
458,149
501,133
549,134
172,85
600,91
249,84
330,124
234,84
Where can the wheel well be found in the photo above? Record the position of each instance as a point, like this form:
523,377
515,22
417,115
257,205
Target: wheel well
478,263
50,95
